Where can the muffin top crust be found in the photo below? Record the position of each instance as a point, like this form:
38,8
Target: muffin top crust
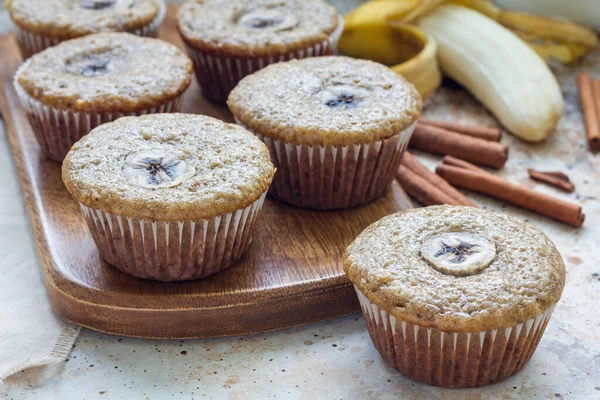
325,100
67,19
502,271
107,72
250,28
168,167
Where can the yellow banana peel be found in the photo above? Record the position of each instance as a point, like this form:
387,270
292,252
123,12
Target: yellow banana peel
423,7
368,35
549,28
376,31
550,50
421,69
378,11
551,38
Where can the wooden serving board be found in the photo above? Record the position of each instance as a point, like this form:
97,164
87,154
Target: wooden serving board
291,275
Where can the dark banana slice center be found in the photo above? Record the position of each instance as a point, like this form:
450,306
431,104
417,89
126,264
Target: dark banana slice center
268,20
95,69
160,170
260,22
345,100
342,97
157,168
460,251
96,4
90,65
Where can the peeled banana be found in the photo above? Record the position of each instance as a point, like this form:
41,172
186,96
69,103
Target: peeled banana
498,68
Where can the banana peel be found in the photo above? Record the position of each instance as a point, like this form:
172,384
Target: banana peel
421,68
367,35
376,31
553,39
421,8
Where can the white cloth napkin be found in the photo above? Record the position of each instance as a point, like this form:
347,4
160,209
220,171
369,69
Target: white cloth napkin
30,333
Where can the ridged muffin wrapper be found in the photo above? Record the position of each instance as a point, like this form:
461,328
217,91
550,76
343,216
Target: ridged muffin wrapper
57,130
452,359
173,250
334,176
217,75
31,43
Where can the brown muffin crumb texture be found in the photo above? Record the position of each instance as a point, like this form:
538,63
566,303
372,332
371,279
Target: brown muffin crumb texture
326,100
107,72
168,167
525,278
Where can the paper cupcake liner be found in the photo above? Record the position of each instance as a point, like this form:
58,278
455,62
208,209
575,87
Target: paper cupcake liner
452,359
328,177
172,250
31,43
56,130
218,75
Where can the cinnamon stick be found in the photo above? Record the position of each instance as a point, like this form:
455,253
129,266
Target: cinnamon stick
559,175
413,164
556,179
442,141
590,111
449,160
481,132
416,186
499,188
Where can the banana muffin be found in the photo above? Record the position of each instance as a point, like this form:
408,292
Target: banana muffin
169,196
229,39
69,89
455,296
337,127
42,24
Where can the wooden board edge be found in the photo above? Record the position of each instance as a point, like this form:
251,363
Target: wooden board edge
210,322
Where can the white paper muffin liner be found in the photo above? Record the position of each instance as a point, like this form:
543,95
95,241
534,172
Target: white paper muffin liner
31,43
56,130
217,75
452,359
329,177
173,250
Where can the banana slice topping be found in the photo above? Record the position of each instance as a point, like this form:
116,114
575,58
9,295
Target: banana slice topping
342,96
96,4
157,168
90,65
458,253
268,20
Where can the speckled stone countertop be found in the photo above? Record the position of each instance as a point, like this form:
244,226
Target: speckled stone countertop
335,359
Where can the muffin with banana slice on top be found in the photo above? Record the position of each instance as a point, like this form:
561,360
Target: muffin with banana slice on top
337,127
42,24
169,196
229,39
455,296
69,89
